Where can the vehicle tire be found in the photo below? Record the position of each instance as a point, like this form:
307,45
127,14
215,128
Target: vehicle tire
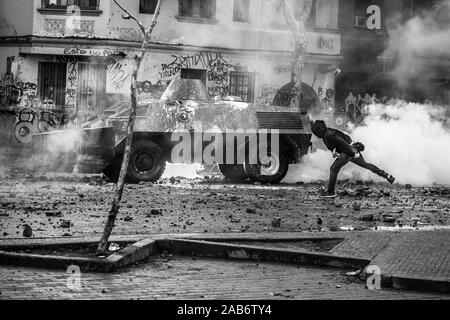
272,172
233,172
147,163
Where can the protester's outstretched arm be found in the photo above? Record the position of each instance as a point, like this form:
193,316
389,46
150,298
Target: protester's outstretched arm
343,146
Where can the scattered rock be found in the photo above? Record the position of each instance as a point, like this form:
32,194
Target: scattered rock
235,220
113,247
65,224
333,228
27,231
367,217
53,214
5,234
128,219
67,234
103,291
250,211
276,222
388,218
69,189
356,206
408,186
319,220
338,286
156,212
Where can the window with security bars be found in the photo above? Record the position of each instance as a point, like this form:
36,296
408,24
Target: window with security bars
62,4
242,84
91,87
52,83
197,8
147,6
241,10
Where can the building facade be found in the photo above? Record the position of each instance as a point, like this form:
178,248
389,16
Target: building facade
76,56
372,72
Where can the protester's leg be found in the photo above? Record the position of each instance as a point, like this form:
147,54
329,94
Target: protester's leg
341,161
360,161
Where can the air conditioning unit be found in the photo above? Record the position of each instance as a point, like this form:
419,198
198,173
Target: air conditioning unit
360,22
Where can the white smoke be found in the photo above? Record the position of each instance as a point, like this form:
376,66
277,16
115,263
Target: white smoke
408,140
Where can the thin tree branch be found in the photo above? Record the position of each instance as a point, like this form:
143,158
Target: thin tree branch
103,244
140,24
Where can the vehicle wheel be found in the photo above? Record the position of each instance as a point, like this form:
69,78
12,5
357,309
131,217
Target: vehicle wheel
233,172
273,170
147,163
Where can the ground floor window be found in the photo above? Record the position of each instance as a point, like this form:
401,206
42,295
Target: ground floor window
199,74
242,84
52,83
91,88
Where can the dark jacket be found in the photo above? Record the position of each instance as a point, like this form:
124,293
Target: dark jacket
331,138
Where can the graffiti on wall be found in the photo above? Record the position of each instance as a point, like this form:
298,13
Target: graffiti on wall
266,95
15,92
117,73
148,91
6,28
326,97
217,70
355,106
18,125
72,83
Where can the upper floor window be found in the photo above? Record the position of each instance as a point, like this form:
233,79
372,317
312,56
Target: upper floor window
241,10
63,4
147,6
414,8
197,8
312,15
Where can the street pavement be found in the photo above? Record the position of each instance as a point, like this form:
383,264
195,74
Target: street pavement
193,208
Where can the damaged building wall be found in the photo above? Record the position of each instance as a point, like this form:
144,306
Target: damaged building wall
89,69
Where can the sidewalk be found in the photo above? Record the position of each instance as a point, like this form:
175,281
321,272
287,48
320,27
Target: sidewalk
419,255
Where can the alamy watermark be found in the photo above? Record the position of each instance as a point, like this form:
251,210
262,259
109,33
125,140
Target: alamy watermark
225,147
73,281
374,280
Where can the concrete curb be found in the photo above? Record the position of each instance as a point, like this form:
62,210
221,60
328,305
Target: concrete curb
244,252
211,245
415,283
145,248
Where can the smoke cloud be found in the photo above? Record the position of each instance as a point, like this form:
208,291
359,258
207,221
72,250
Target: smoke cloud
410,141
420,44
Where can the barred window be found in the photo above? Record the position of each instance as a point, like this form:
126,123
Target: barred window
52,83
197,8
147,6
62,4
242,84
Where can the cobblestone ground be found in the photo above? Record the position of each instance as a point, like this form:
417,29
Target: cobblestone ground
176,277
187,206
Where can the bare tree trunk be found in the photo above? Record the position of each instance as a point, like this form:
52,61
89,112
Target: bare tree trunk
297,26
103,244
